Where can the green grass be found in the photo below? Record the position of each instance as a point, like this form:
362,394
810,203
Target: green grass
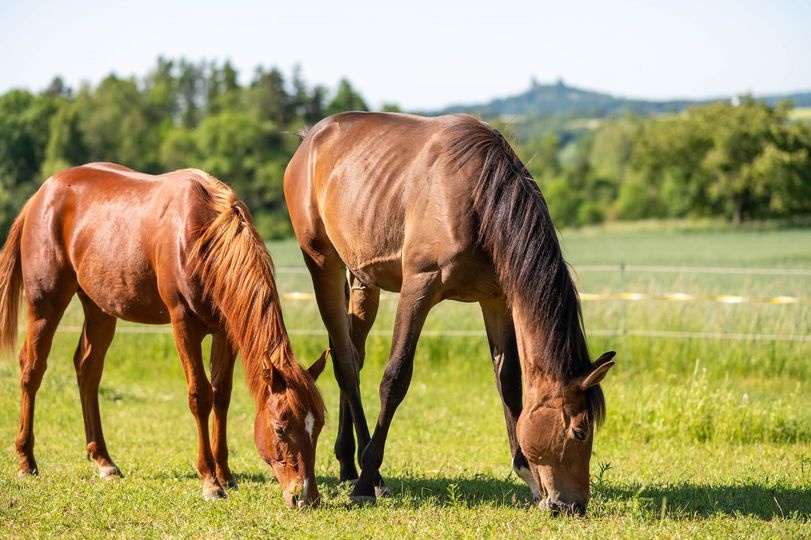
801,113
703,438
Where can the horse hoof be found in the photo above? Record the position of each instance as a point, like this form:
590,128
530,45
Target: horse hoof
110,472
27,474
230,484
213,493
363,500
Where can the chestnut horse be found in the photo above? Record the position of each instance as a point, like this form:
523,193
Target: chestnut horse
177,248
441,208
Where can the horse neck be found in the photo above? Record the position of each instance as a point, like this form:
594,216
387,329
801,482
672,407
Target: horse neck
551,351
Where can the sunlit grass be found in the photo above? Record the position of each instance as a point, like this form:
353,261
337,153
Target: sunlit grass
703,438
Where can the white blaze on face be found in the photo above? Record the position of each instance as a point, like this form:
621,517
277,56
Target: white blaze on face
309,422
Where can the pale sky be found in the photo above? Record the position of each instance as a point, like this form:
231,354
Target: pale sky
425,54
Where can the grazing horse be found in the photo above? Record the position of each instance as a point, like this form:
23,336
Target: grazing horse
441,208
177,248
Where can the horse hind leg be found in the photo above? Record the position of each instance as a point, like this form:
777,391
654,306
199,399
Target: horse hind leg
43,318
97,334
506,365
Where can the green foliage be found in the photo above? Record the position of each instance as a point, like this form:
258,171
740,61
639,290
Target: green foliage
741,161
346,99
181,114
24,127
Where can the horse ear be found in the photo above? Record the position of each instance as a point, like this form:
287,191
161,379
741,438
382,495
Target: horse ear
273,377
318,366
601,367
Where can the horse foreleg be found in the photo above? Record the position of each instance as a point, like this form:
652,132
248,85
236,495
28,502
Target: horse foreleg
97,334
329,283
188,335
362,305
506,363
417,296
222,375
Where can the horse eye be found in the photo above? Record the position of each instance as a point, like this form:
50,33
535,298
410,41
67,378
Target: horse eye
579,434
279,430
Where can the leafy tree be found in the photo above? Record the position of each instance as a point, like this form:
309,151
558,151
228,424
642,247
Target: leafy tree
268,97
24,132
346,99
65,144
115,125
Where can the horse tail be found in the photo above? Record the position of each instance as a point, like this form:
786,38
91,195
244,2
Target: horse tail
11,284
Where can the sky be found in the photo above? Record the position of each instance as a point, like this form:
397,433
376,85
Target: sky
424,54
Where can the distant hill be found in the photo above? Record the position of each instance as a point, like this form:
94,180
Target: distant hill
560,99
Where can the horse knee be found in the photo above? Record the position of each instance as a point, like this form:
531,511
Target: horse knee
221,398
31,377
348,377
200,400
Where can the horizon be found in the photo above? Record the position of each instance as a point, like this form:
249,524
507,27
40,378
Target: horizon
429,56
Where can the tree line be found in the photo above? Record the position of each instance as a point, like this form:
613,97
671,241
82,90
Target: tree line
738,160
181,114
741,161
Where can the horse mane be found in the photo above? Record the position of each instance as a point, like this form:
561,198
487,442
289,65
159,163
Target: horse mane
515,228
236,271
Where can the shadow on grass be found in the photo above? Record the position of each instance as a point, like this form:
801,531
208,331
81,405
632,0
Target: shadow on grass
691,500
680,501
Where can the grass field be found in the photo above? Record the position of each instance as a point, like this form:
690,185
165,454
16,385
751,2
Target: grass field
801,113
704,436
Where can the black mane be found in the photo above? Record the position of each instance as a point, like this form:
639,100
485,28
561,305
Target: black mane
515,228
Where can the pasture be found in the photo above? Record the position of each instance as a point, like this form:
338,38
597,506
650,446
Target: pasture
708,430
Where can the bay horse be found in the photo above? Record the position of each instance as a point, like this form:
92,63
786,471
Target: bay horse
176,248
442,208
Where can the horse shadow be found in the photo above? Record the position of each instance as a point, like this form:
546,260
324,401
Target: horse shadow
679,501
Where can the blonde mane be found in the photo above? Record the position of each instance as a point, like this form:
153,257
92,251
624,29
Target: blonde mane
237,273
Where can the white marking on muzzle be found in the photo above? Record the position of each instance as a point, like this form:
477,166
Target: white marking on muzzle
305,491
309,423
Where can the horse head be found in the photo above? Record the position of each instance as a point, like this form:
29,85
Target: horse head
555,432
286,432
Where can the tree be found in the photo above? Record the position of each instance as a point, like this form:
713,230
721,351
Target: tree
268,98
24,128
115,125
346,99
66,146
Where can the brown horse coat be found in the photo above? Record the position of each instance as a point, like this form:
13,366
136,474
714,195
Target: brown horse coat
177,248
441,208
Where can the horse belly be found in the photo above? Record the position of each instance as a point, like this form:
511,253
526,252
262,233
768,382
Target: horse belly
385,273
129,293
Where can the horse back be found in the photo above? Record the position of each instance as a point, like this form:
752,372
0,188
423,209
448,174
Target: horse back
118,235
381,191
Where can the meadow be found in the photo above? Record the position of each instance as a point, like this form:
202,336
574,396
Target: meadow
708,430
